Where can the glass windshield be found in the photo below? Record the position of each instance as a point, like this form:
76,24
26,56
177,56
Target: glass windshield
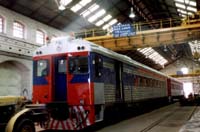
62,66
42,68
78,65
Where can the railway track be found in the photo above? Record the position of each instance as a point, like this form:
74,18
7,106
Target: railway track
166,119
167,116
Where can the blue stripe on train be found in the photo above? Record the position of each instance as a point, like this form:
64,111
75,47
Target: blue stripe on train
80,78
40,81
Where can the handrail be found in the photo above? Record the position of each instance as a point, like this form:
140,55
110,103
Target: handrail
140,26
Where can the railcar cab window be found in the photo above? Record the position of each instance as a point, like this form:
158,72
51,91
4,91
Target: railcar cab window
62,66
78,65
42,68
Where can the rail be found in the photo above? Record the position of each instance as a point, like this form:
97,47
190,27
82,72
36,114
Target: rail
140,26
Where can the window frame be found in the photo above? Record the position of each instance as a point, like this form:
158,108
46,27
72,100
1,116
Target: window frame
47,68
2,26
17,30
43,34
75,71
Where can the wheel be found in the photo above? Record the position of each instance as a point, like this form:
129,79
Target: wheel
24,125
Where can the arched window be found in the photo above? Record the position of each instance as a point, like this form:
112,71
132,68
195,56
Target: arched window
1,24
40,37
18,29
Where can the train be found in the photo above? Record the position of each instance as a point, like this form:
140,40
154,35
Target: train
77,83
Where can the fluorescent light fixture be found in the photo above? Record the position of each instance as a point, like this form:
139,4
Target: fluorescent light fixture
180,5
106,18
65,2
193,3
112,22
99,23
132,15
76,8
192,9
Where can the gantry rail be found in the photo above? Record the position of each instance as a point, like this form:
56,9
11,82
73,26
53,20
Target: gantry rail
149,38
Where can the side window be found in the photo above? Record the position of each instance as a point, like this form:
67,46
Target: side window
98,61
18,30
1,24
78,65
62,67
40,37
42,68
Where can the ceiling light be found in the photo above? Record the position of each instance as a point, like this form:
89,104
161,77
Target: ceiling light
132,15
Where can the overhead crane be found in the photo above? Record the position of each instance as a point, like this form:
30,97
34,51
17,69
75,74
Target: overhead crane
149,38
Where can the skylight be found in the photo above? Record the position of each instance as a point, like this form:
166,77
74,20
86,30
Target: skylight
65,2
191,9
106,18
180,5
99,23
80,5
185,7
153,55
97,15
91,9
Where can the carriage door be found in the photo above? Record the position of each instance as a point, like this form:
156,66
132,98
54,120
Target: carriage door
119,86
60,80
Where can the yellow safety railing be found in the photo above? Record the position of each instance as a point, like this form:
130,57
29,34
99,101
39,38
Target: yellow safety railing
140,26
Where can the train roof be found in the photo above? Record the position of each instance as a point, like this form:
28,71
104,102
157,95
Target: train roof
69,44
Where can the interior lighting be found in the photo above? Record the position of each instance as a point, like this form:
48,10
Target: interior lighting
132,15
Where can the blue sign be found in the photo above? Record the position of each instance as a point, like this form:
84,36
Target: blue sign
123,30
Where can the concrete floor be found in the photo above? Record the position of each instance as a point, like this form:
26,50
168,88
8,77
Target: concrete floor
166,119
